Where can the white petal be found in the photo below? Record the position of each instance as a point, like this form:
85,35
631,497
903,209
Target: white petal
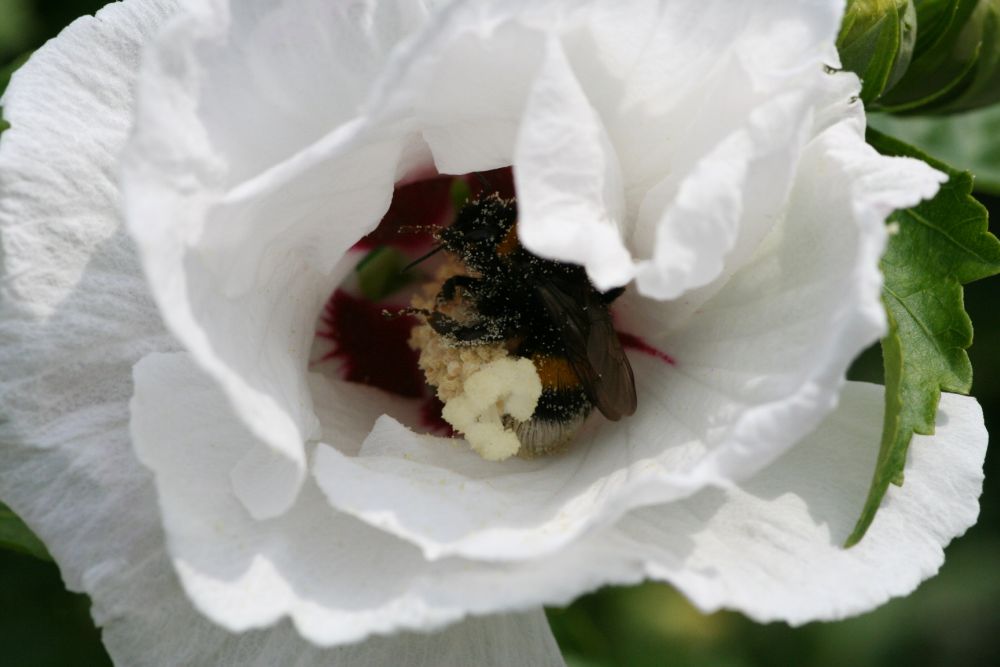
224,223
450,502
629,73
75,317
773,548
667,78
765,357
75,313
151,612
756,368
74,103
338,579
495,641
570,198
731,199
143,611
241,251
468,92
298,95
240,262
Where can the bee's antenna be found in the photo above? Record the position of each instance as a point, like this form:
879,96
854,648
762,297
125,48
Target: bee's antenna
417,229
409,266
483,181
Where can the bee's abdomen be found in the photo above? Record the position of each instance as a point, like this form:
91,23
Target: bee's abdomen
555,372
561,411
556,420
562,404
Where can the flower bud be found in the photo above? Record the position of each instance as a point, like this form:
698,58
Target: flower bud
956,59
876,42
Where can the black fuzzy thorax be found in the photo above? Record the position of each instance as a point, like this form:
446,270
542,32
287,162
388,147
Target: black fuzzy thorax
508,282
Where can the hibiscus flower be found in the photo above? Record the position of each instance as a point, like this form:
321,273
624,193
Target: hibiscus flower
182,191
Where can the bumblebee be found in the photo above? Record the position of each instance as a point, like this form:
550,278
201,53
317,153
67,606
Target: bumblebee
539,309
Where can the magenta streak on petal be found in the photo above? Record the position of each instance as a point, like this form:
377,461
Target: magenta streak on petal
373,349
633,342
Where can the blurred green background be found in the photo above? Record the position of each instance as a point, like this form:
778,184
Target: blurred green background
953,619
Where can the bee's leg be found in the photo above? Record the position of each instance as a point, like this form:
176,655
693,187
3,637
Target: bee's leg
393,314
449,287
612,294
483,331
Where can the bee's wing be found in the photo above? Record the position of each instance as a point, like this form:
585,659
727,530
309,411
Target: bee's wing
592,346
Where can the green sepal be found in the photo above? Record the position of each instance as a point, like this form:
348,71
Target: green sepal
459,193
16,536
876,42
941,244
380,273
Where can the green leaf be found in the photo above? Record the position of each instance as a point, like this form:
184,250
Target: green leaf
16,536
941,245
19,28
8,70
969,141
876,42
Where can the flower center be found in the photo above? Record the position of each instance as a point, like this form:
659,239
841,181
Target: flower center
510,350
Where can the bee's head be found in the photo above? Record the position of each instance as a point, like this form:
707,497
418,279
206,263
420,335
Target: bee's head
480,227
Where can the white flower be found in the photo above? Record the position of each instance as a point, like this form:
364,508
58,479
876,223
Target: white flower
699,149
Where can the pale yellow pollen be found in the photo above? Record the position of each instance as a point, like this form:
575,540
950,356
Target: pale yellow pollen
502,387
478,384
